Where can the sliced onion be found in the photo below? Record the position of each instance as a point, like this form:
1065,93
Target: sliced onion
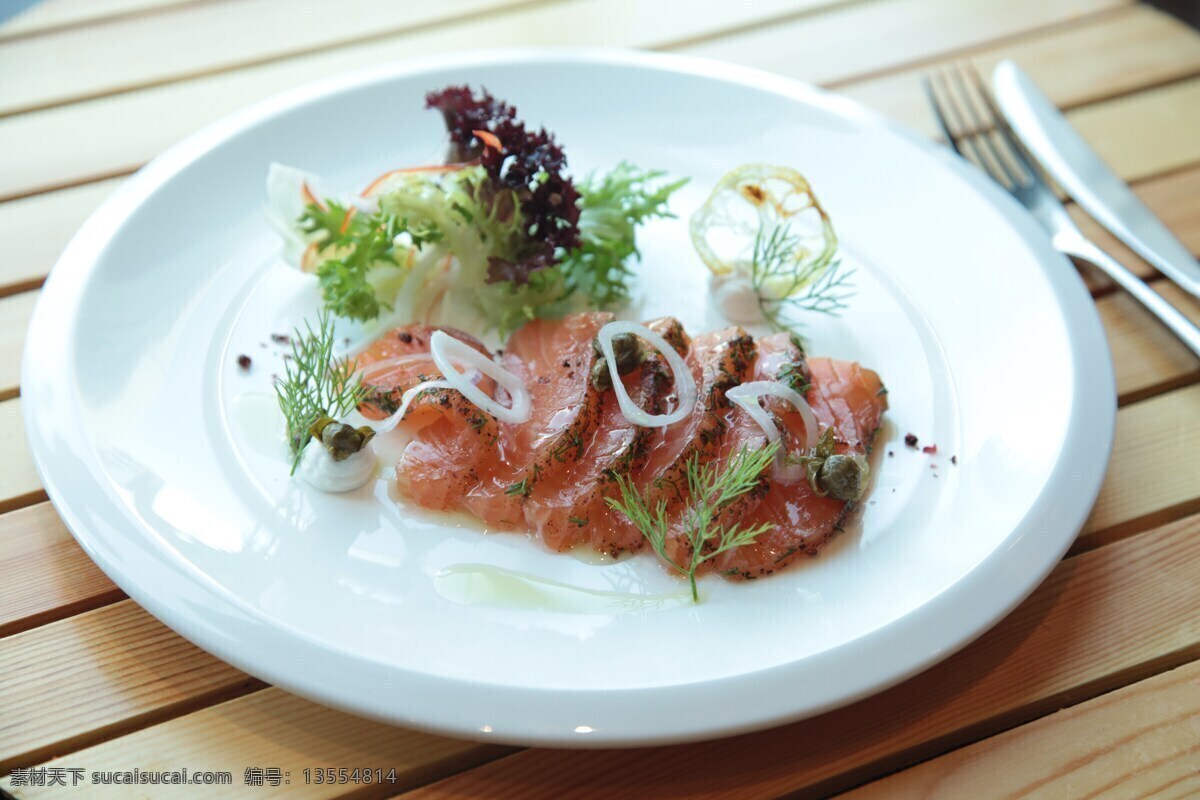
685,384
747,396
444,347
388,423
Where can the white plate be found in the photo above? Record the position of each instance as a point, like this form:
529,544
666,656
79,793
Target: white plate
137,415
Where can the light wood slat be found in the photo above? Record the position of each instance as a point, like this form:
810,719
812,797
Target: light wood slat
1140,741
151,119
197,39
1140,45
47,576
19,482
860,40
277,729
206,39
1149,359
1164,138
37,228
81,680
1099,621
48,15
1154,474
15,313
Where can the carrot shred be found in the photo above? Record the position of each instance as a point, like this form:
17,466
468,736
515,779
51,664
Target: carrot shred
489,139
373,185
308,261
349,216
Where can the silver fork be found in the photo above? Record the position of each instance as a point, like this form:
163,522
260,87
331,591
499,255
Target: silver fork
972,124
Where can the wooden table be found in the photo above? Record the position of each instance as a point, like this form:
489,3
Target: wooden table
1090,688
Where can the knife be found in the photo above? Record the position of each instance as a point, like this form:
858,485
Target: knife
1060,149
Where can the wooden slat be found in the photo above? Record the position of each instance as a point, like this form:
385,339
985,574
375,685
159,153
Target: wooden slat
198,39
1164,138
47,15
1149,359
37,228
1140,741
1154,474
15,313
1141,47
19,482
276,729
213,38
47,576
861,40
152,119
85,679
1094,625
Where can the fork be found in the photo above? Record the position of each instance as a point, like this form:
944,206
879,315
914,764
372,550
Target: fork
971,122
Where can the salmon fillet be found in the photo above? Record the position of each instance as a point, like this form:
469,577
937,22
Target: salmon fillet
554,474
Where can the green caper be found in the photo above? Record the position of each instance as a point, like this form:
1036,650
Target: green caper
626,353
844,477
339,439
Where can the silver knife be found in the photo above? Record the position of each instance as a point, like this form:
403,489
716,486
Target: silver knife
1092,183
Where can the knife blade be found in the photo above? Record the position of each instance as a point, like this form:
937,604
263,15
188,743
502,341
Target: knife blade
1076,167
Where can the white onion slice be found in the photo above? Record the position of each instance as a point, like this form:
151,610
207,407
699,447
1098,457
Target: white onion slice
388,423
685,384
747,396
444,347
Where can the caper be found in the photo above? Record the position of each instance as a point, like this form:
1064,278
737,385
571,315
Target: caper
339,439
844,477
626,353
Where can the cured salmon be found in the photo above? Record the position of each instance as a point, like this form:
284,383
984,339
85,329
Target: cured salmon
554,474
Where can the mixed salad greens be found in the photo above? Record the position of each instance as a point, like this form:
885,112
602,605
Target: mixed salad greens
497,235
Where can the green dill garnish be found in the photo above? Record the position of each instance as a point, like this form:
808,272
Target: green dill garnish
315,384
353,244
788,278
580,521
519,489
709,492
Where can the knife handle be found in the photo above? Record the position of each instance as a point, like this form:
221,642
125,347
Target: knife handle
1082,249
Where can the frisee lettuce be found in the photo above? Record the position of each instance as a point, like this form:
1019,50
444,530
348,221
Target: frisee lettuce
429,251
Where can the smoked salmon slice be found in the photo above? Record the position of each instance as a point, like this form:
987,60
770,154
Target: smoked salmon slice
554,474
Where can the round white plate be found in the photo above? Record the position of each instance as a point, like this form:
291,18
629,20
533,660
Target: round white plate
158,451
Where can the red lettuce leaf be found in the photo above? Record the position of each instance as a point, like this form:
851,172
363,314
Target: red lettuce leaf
528,164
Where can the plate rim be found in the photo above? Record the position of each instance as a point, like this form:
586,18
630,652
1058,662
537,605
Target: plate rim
1003,579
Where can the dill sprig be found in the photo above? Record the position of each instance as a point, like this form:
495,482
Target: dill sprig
315,384
710,491
787,277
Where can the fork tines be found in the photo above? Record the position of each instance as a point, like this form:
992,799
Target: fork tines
974,126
